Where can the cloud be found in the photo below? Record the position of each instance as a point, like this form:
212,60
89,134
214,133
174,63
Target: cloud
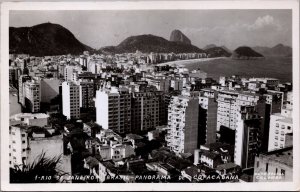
263,22
261,31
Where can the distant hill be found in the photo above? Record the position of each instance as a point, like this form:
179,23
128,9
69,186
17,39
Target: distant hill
150,43
278,50
43,40
245,53
209,46
217,52
226,49
178,36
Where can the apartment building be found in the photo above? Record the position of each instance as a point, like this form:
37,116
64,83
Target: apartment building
183,124
86,94
71,100
274,166
246,136
208,116
113,109
280,125
18,135
229,103
21,94
147,110
32,96
271,103
27,144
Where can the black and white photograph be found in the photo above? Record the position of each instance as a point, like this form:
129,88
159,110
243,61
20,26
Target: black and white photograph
166,95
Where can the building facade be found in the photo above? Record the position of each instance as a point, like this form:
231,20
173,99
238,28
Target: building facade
71,100
113,109
32,96
183,124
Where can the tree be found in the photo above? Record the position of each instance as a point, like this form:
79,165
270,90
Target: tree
43,170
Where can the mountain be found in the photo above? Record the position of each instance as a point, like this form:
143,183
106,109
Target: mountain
178,36
150,43
226,49
245,53
217,52
209,46
278,50
44,39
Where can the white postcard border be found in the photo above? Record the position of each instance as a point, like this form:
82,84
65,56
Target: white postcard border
145,5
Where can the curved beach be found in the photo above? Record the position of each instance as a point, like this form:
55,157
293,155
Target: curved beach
181,63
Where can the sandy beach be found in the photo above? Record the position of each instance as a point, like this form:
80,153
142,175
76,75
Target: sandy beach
181,63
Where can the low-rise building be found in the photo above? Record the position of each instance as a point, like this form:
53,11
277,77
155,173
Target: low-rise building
274,166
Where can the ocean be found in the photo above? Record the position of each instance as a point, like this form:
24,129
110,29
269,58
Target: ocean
274,67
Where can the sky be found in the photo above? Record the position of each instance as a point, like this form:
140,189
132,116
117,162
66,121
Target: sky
232,28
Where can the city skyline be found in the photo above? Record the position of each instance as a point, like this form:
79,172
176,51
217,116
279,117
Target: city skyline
150,109
224,27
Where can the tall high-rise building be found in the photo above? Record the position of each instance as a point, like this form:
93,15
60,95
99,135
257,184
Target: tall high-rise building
271,103
21,90
32,96
71,100
183,123
208,117
113,109
147,110
229,103
247,136
86,94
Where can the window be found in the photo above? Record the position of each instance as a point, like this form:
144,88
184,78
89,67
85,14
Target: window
23,141
276,170
282,172
257,164
267,167
23,135
289,127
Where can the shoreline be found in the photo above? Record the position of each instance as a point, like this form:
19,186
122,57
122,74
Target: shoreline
181,63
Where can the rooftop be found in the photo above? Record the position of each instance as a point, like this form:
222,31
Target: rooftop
226,166
28,116
284,156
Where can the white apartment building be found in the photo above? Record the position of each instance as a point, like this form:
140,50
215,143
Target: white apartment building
182,130
25,149
21,93
18,145
113,109
229,103
18,136
32,96
280,125
71,100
